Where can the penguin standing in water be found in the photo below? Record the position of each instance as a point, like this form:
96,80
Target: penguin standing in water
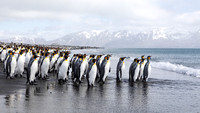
20,63
92,73
45,66
11,65
32,69
120,68
98,63
3,54
53,59
147,69
105,68
72,64
27,58
142,63
134,70
63,69
6,58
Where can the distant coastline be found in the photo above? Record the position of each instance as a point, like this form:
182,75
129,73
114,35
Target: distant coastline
68,47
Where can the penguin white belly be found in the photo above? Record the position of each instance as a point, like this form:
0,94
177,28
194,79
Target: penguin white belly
92,74
58,62
82,69
20,64
149,71
141,71
62,74
13,66
52,62
28,56
34,68
107,67
45,67
3,55
136,74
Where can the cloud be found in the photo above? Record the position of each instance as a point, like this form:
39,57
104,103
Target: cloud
189,18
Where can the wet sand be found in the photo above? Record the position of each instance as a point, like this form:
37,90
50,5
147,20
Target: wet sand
164,92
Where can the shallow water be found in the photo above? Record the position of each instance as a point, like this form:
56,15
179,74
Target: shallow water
164,92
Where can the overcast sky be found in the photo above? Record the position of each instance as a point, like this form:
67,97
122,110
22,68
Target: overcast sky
55,18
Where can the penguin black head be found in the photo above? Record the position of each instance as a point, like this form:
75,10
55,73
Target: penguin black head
61,54
84,56
142,57
122,58
93,60
149,57
108,57
35,56
47,54
42,53
67,52
92,56
66,56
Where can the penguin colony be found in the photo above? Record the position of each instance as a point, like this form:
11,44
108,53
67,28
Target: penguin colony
37,62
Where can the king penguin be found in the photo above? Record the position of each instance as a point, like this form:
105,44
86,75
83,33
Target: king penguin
45,66
32,69
98,63
20,63
120,69
11,65
142,63
92,73
105,68
147,69
134,70
63,69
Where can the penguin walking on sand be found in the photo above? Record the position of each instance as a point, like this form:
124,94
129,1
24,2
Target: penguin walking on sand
32,69
63,69
11,65
105,68
134,70
92,72
142,63
45,66
120,69
147,69
20,63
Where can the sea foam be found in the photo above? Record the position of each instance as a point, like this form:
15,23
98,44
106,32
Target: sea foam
176,68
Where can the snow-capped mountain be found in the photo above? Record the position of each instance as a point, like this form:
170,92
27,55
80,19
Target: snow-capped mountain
23,39
154,38
158,37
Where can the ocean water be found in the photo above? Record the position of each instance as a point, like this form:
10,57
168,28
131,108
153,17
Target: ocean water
179,60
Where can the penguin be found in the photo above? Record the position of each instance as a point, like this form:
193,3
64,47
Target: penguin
134,70
60,58
40,63
3,54
11,65
53,59
105,68
63,69
27,58
142,63
92,73
77,68
120,69
32,69
20,63
6,58
72,64
147,69
98,63
45,66
83,67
